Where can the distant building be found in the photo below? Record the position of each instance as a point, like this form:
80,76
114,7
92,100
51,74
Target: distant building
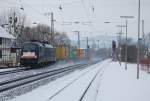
6,44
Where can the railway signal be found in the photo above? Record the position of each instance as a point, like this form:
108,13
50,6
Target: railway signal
113,50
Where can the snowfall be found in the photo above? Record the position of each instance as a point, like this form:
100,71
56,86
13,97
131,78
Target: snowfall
112,83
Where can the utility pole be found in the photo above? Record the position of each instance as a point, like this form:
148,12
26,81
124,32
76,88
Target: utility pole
97,44
143,34
52,27
120,41
78,32
138,48
87,41
126,46
15,34
78,39
88,52
119,46
120,33
14,23
143,29
143,40
120,37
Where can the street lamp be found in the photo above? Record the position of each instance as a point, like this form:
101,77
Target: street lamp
126,17
34,23
77,22
107,22
138,51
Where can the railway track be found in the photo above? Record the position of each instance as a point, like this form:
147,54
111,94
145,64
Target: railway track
16,82
12,71
89,85
99,72
21,69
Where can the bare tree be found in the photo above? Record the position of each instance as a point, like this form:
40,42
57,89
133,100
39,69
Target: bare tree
41,33
13,21
61,39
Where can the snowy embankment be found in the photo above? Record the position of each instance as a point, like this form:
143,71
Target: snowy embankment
119,84
113,83
68,88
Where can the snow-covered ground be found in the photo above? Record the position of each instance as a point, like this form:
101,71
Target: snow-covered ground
78,80
119,84
113,83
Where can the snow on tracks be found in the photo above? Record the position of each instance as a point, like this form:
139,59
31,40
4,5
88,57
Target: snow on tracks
79,89
69,86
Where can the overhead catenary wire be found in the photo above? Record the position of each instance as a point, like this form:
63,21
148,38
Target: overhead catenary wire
24,4
85,10
93,8
88,16
60,6
92,12
37,11
61,13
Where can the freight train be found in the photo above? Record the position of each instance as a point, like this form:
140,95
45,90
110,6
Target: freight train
65,53
36,53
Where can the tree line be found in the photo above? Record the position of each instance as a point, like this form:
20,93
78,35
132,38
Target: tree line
16,24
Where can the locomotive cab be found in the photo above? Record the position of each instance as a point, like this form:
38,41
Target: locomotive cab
35,53
29,54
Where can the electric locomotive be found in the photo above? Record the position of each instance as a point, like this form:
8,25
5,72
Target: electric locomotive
36,53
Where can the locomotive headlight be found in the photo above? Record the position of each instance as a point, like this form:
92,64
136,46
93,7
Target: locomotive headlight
29,55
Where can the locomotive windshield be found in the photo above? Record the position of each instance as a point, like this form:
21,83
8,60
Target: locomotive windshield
29,48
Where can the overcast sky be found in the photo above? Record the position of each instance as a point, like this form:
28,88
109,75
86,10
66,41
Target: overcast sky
81,10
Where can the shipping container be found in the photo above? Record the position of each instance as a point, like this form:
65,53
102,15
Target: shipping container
81,54
73,53
62,53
